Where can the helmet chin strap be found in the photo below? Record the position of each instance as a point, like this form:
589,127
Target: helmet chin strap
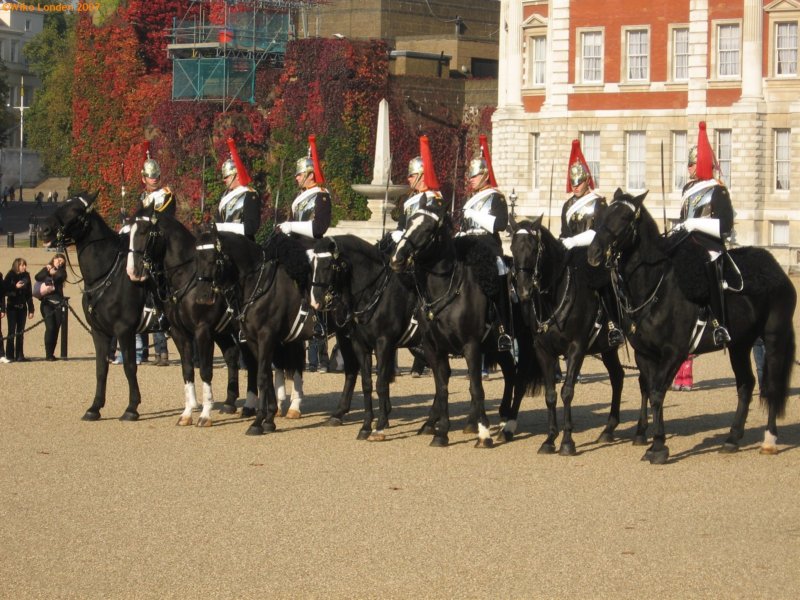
416,181
304,180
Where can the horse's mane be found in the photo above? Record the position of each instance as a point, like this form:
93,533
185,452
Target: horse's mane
477,253
291,255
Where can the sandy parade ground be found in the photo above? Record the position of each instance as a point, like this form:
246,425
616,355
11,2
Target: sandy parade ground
115,509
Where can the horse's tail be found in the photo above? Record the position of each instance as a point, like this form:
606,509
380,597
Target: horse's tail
779,348
527,365
291,358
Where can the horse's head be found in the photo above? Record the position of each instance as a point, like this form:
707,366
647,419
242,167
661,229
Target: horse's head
526,248
70,222
210,263
421,231
617,229
147,246
329,270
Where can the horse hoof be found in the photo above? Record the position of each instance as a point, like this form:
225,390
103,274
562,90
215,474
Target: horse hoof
91,415
363,434
426,429
204,422
184,420
439,441
248,413
129,415
227,409
470,428
255,430
292,414
605,438
640,440
377,437
547,448
333,422
567,449
656,457
269,427
504,436
484,443
768,450
729,448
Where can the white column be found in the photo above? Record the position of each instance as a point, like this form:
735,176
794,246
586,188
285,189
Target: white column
752,50
698,56
558,57
509,77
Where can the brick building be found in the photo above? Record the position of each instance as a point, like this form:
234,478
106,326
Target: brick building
629,78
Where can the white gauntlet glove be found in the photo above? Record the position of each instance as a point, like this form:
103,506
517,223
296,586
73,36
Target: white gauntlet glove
397,234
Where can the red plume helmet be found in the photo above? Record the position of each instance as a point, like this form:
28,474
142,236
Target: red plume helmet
576,156
487,157
146,148
427,161
244,176
706,161
312,147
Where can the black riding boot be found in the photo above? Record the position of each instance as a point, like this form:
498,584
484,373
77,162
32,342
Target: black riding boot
717,303
505,343
615,336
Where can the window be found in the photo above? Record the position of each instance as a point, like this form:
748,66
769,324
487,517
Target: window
27,24
538,60
2,49
635,158
592,56
680,54
680,160
14,51
785,49
638,55
728,50
780,233
724,155
535,161
783,161
590,145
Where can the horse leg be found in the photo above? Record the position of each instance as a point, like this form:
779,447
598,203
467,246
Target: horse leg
266,406
384,356
184,344
351,369
574,364
128,344
548,364
205,351
231,354
513,390
429,426
640,438
101,352
474,358
616,376
250,361
440,368
658,452
297,396
365,364
280,390
745,383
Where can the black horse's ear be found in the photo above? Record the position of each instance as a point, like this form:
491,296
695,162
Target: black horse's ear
639,200
618,194
537,222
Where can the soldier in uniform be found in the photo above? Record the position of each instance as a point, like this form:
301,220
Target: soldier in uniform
707,210
486,214
578,216
239,208
311,209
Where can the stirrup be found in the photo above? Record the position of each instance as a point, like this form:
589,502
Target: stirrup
615,337
721,336
505,343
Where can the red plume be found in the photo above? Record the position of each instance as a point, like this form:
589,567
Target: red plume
706,161
244,176
312,145
577,156
487,157
146,148
427,162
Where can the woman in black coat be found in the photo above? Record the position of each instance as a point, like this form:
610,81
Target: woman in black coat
53,274
19,306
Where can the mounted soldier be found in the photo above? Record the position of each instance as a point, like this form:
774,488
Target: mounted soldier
578,217
239,208
707,213
424,189
485,213
160,197
311,209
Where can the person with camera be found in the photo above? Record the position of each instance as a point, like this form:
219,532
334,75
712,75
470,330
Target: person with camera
51,292
19,307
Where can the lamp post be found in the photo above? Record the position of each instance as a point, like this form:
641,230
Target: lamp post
21,109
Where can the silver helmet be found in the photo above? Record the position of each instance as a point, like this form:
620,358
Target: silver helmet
151,169
228,168
692,155
304,166
477,166
416,166
577,174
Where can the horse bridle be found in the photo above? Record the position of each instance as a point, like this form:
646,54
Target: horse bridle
534,271
416,249
153,235
627,237
339,267
62,238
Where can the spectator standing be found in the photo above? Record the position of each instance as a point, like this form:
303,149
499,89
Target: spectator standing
19,307
52,276
3,358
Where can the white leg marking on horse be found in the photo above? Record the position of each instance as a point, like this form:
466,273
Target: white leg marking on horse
190,397
770,445
280,385
483,432
511,426
208,401
297,390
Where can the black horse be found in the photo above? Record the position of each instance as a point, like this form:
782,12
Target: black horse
112,303
564,311
663,303
372,309
266,287
162,251
455,279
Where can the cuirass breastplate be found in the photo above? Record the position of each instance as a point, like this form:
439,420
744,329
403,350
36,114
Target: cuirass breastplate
233,210
699,204
305,210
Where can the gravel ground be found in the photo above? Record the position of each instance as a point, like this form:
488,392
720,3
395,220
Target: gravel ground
114,509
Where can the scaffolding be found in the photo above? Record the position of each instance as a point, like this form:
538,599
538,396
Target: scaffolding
218,61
